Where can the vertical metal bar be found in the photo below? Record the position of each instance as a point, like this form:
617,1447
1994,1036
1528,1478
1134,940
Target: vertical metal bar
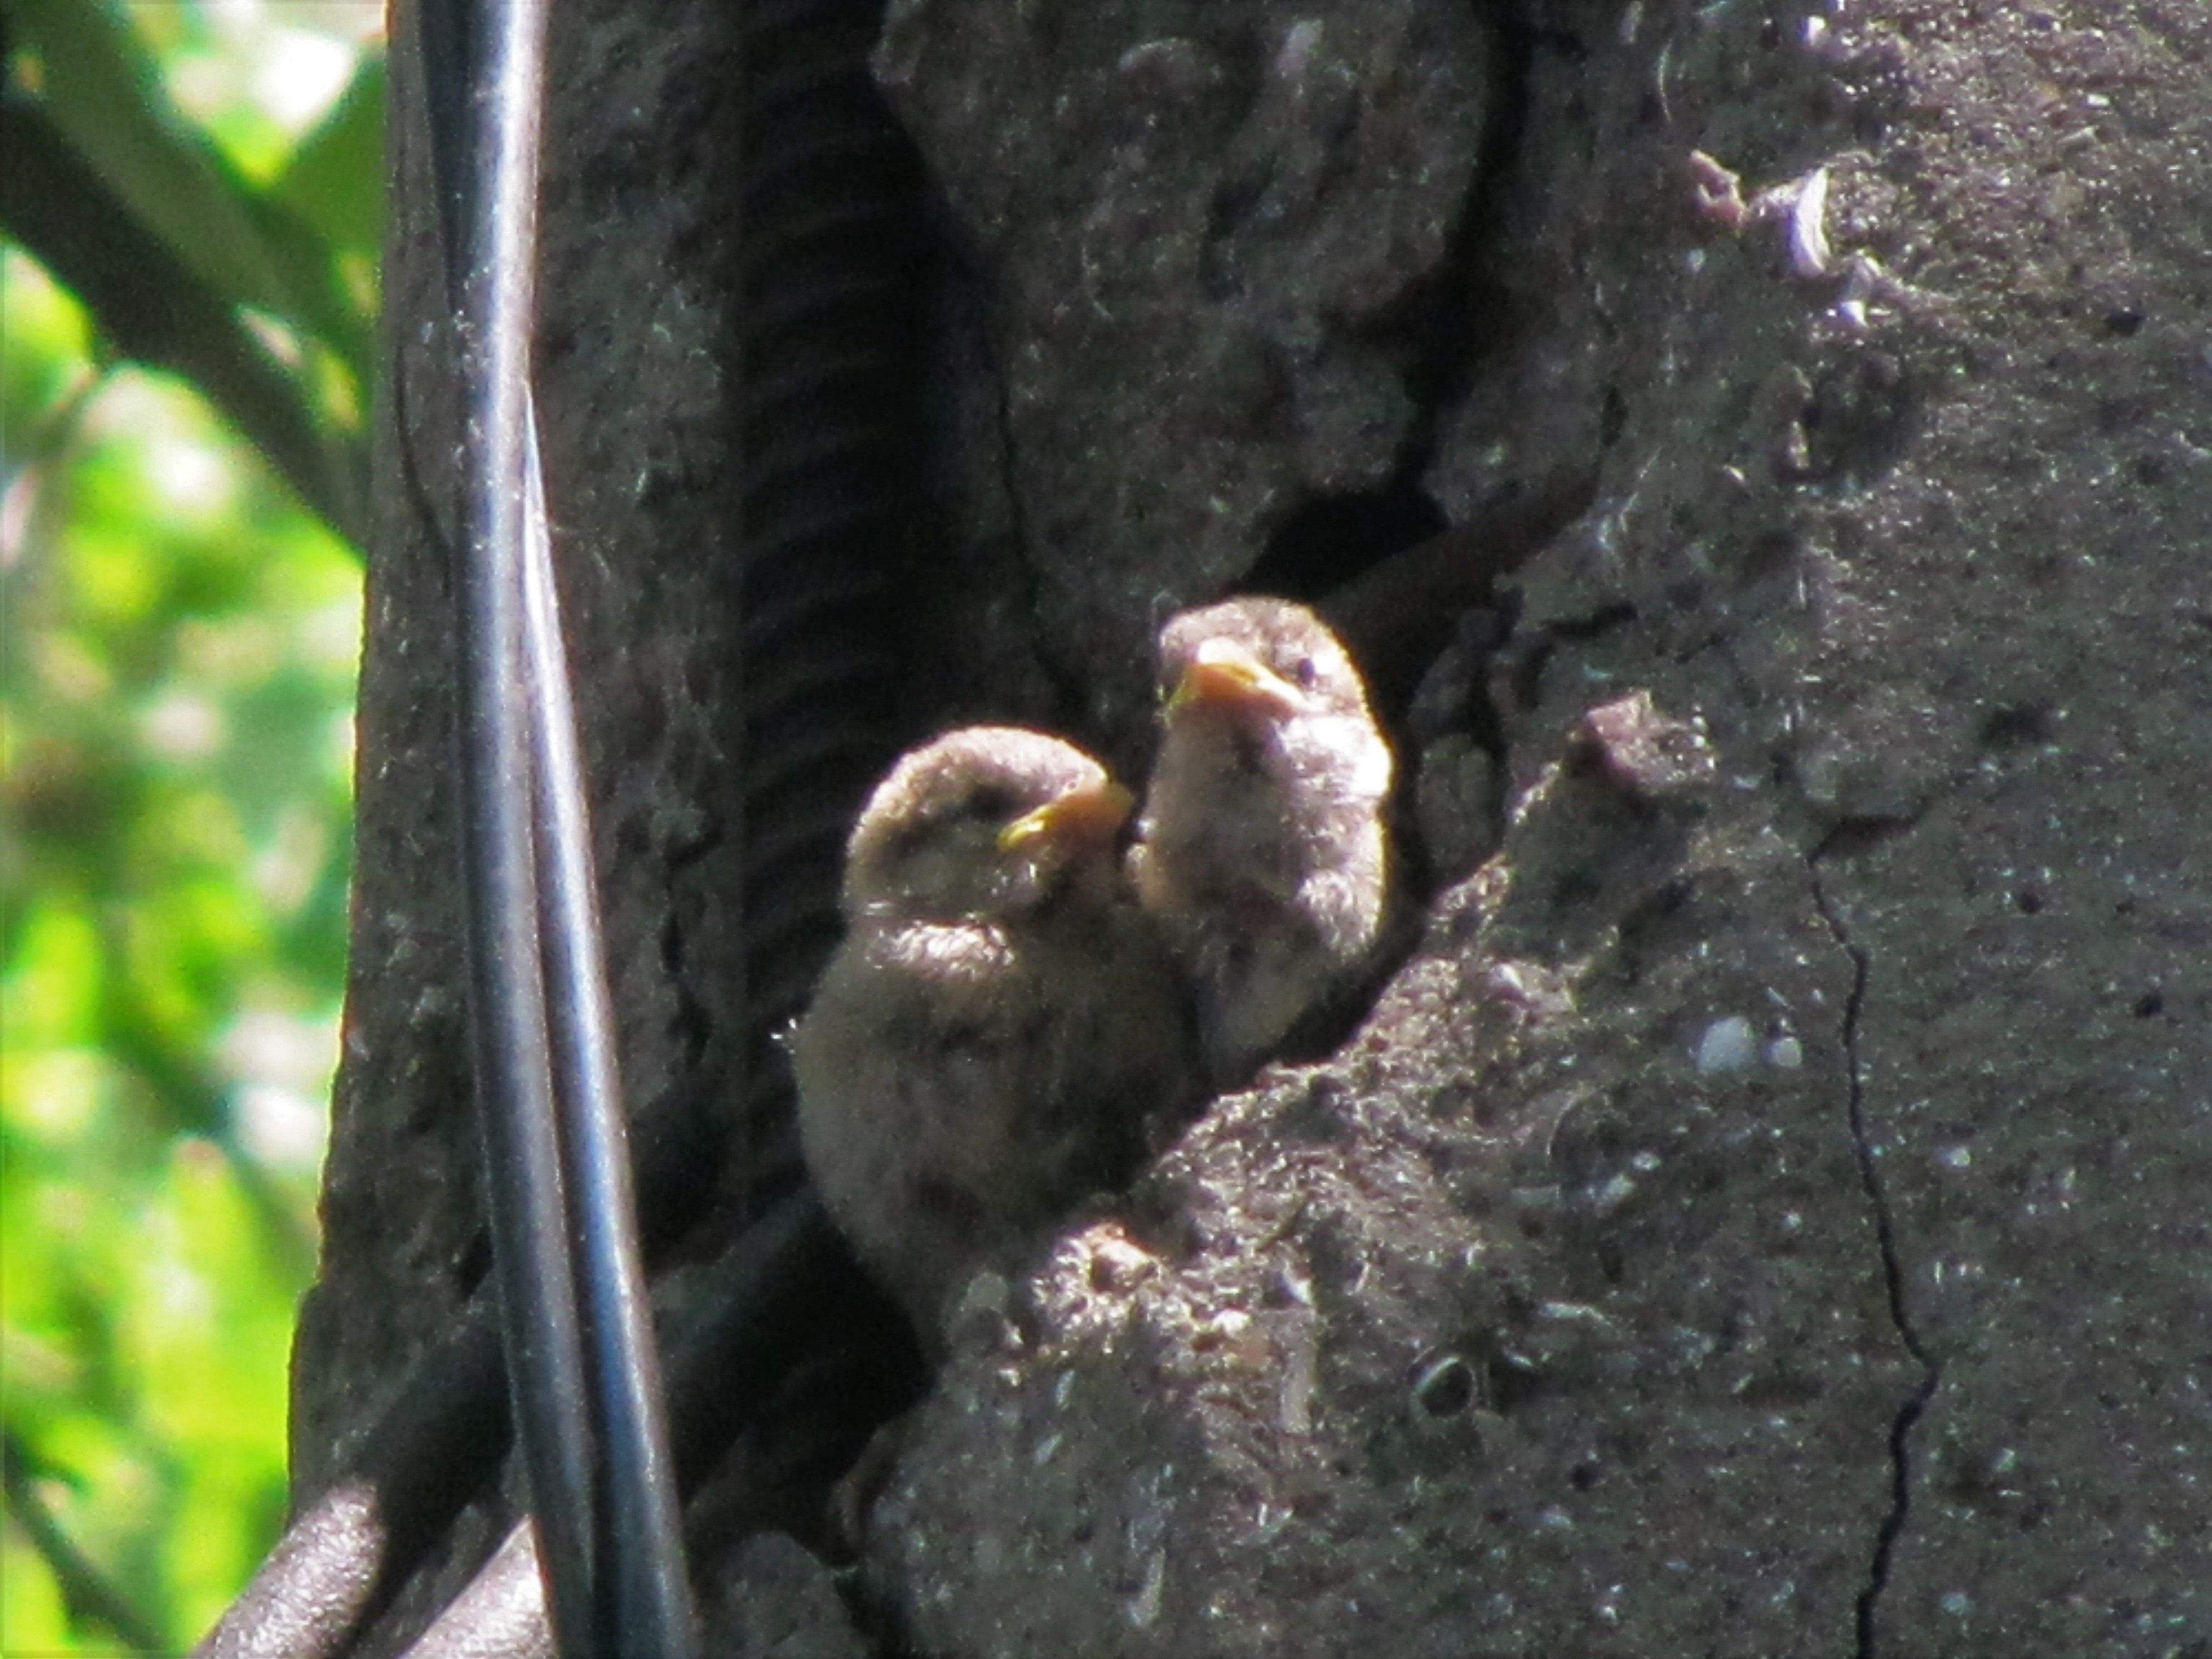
514,1084
642,1604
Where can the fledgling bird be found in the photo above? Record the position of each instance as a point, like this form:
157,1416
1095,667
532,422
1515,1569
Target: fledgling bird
1002,1032
1262,849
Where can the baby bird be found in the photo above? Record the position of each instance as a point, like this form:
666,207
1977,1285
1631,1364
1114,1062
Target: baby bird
1000,1032
1262,850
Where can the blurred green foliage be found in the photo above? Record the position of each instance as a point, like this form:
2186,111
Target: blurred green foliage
177,643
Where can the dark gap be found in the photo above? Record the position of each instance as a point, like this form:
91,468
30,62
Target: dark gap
1599,621
1332,539
2017,727
1855,835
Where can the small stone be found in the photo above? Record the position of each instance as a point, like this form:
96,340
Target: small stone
1644,751
1726,1045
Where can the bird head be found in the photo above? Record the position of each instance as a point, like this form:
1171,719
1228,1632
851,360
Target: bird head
1257,663
985,821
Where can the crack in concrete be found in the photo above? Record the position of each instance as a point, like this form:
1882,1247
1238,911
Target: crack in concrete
1892,1271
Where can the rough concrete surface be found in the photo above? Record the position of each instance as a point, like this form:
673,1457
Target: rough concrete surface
1765,1213
776,1601
1203,225
1763,1219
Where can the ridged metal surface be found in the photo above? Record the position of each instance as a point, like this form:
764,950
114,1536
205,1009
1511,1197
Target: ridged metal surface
828,352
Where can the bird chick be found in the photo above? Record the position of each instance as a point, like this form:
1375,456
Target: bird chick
1262,849
1000,1032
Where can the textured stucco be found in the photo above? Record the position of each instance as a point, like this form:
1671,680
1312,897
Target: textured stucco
1765,1213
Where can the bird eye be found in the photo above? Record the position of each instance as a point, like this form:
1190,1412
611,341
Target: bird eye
1305,673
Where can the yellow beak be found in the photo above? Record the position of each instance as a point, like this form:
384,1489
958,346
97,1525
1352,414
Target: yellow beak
1088,816
1222,674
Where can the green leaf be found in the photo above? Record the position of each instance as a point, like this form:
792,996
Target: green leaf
102,90
32,1618
333,186
176,650
334,180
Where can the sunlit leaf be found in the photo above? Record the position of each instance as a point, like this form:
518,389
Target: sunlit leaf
32,1619
106,92
334,180
47,998
48,339
177,647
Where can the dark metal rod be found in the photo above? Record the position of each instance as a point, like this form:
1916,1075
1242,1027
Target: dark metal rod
642,1604
775,1295
527,1210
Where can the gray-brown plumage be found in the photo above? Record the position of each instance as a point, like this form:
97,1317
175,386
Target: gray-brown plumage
1262,849
1000,1032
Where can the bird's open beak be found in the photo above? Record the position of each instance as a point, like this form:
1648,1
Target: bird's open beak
1089,816
1222,674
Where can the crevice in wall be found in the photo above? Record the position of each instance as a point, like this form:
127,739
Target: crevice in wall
1440,330
1330,537
1867,1643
